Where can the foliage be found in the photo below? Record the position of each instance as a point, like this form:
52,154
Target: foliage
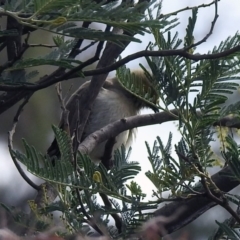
174,169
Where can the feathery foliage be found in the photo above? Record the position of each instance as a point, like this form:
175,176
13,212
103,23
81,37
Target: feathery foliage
198,90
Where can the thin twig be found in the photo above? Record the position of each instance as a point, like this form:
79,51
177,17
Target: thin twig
60,98
107,162
115,216
78,51
76,140
221,200
186,9
194,193
65,112
66,127
89,219
74,52
42,45
210,31
10,146
17,57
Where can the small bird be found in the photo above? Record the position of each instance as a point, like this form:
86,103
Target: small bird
114,102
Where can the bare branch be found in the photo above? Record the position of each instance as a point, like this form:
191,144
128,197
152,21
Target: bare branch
78,51
75,50
113,129
89,219
115,216
211,28
88,97
42,45
10,146
188,8
162,53
48,81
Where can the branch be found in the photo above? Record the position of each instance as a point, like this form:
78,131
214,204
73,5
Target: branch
88,96
211,28
10,98
113,66
10,146
106,159
194,207
211,190
111,52
115,216
187,8
228,121
89,219
162,53
74,52
113,129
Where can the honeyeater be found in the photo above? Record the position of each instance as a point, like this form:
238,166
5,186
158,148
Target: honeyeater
114,102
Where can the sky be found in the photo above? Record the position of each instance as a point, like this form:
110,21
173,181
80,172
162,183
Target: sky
227,24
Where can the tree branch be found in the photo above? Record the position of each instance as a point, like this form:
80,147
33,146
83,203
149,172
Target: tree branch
10,146
113,66
204,39
113,129
195,207
188,8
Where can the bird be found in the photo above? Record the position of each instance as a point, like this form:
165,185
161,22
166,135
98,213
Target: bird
114,102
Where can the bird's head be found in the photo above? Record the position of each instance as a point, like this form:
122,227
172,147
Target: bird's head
140,86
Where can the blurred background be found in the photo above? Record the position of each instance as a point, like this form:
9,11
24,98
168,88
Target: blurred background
43,109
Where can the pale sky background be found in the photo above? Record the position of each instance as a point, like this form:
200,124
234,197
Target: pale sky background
227,24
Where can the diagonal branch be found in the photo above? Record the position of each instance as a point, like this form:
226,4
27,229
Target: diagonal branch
113,129
195,207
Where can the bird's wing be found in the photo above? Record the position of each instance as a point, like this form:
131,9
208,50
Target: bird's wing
73,105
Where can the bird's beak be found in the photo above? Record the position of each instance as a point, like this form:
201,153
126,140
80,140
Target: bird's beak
155,109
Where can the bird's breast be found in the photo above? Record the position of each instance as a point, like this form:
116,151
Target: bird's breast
109,107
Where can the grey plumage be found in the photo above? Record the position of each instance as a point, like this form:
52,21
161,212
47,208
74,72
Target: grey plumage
112,103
